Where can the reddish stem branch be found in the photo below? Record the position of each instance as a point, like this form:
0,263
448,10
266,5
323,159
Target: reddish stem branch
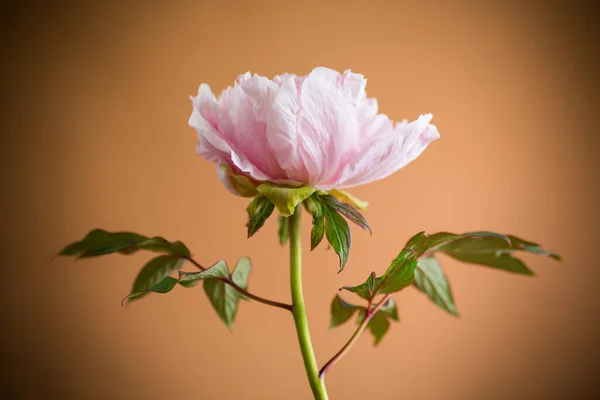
243,291
369,314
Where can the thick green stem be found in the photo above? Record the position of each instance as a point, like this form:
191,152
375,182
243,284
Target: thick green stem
299,309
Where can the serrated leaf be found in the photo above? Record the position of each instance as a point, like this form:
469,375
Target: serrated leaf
430,279
283,230
259,210
100,242
338,234
285,199
155,271
317,232
347,210
341,311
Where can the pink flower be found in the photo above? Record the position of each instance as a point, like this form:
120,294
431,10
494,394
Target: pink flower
319,130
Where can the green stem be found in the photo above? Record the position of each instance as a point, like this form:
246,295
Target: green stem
299,309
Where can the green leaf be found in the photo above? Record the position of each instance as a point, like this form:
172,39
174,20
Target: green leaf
490,250
100,242
531,247
164,286
378,326
285,199
317,232
222,296
341,311
389,309
379,323
364,290
348,211
154,272
283,229
338,234
313,205
398,275
240,274
430,279
259,210
218,271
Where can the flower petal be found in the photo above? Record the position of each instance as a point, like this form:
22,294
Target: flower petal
282,132
328,124
242,121
385,156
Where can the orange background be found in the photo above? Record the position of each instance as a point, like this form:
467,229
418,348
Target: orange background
96,102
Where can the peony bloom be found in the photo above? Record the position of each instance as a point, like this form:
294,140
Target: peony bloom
318,130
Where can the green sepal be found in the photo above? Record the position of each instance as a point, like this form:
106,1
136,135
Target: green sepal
285,199
238,184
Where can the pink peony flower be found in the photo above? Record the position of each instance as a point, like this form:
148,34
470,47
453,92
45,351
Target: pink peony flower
319,130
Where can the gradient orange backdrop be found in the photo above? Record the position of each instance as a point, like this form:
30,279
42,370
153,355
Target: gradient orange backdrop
95,100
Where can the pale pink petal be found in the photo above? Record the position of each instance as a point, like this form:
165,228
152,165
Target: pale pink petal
354,86
212,145
387,155
242,121
282,129
327,124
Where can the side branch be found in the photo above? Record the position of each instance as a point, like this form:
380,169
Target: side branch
243,291
369,314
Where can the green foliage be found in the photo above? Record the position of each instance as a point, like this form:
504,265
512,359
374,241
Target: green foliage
222,296
259,210
341,311
338,234
430,279
153,273
398,275
379,323
328,220
100,242
155,277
